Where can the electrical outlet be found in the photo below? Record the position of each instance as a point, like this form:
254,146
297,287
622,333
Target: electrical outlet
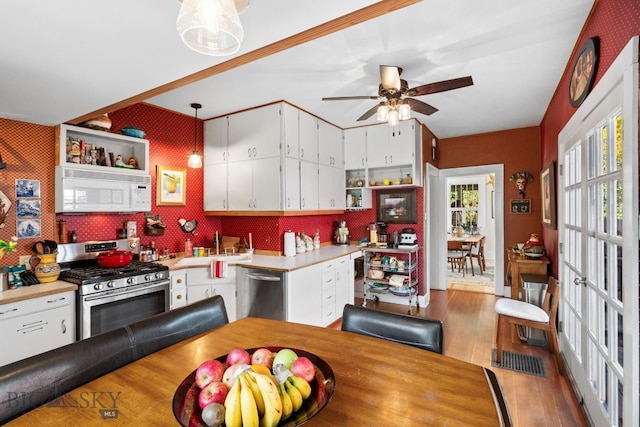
24,259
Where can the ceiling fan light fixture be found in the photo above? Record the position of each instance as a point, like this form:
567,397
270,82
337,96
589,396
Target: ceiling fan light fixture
210,27
195,159
383,113
404,112
393,117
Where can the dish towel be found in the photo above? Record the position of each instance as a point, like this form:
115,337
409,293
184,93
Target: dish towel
219,268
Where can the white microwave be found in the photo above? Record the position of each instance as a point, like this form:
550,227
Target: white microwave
87,191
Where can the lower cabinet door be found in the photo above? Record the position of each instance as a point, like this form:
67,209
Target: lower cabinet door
35,333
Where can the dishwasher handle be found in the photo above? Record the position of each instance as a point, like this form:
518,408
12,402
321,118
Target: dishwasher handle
265,277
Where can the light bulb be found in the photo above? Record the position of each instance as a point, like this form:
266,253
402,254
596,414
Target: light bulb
195,160
211,27
383,113
393,117
404,111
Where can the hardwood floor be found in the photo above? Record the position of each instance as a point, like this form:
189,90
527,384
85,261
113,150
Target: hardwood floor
469,324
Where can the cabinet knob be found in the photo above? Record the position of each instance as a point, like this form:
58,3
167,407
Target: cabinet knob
179,296
179,281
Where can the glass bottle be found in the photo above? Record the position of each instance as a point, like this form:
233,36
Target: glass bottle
188,247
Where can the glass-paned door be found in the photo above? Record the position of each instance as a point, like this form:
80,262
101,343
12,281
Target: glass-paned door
598,195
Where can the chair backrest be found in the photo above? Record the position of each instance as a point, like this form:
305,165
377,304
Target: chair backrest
163,330
427,334
478,248
454,245
31,382
552,298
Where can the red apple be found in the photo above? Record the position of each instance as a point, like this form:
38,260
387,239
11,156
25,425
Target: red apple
208,372
263,356
238,355
215,392
303,367
230,375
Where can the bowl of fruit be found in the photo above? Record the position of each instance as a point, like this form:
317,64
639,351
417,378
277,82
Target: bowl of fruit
272,386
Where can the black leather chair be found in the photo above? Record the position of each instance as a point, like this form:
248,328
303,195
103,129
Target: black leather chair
163,330
427,334
31,382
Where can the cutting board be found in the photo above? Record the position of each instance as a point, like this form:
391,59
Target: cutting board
229,242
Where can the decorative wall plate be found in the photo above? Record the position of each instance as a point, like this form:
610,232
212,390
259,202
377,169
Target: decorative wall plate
583,71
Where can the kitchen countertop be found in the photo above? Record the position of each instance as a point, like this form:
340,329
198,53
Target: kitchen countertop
271,262
28,292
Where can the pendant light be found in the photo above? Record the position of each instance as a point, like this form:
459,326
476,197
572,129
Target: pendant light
211,27
195,159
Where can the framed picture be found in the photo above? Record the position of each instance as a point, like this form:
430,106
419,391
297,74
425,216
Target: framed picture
397,206
583,71
171,186
548,183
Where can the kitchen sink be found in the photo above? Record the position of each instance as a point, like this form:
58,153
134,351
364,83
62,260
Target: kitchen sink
206,260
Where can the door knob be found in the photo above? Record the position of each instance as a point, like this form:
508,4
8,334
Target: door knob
580,281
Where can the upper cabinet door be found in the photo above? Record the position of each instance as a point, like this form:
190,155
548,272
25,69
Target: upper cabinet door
390,145
215,140
255,134
290,131
330,151
308,137
355,148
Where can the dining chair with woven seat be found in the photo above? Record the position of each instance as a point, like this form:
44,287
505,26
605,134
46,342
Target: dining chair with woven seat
427,334
477,251
519,313
457,256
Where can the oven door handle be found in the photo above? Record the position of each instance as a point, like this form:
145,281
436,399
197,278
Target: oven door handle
114,295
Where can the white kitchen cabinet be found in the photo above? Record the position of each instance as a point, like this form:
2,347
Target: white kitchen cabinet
355,149
331,193
291,184
304,295
254,134
308,137
178,289
330,151
309,185
254,184
290,130
215,140
216,187
390,145
337,288
87,149
201,285
36,325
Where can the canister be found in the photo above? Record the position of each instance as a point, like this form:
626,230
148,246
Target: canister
289,243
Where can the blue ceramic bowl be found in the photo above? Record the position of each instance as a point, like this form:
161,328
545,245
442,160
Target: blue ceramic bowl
131,131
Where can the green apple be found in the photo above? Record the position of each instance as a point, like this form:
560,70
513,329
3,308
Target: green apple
285,357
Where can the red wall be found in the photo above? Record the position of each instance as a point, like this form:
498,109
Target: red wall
517,150
614,22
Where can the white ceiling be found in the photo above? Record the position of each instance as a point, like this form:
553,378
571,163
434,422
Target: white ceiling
60,60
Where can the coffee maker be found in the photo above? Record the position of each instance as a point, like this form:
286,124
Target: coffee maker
382,232
341,236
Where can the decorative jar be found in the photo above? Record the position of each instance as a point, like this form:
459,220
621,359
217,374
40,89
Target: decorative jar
45,267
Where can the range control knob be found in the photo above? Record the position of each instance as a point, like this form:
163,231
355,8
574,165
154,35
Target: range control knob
97,286
148,277
158,275
131,281
111,283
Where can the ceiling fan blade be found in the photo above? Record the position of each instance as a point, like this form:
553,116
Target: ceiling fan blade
342,98
442,86
369,113
390,77
421,107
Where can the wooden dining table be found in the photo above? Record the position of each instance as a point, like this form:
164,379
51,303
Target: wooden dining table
472,239
377,382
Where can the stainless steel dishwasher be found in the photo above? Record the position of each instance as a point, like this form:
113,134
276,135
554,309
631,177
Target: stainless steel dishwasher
262,293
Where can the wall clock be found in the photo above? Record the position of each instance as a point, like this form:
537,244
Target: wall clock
583,72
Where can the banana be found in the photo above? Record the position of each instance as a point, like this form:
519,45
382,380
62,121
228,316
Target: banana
287,405
233,414
272,401
251,383
248,406
294,394
301,384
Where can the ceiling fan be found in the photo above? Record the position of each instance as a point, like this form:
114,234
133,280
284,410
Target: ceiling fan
394,95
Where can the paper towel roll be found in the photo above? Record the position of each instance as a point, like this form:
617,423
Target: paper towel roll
289,243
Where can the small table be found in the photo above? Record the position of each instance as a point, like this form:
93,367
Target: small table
472,239
519,265
378,382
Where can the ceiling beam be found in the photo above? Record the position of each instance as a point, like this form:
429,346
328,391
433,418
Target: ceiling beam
354,18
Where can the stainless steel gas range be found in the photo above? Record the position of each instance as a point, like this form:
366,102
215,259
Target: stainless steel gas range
115,296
